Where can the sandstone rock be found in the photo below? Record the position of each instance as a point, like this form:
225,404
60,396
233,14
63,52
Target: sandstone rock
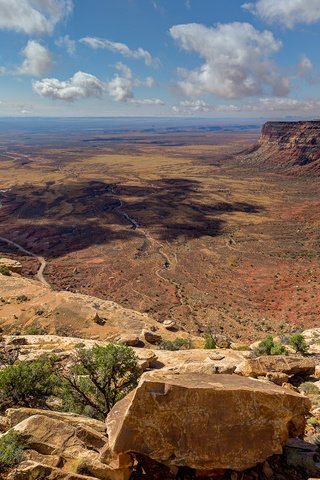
199,361
55,443
169,324
205,421
50,460
130,339
91,464
99,320
222,341
278,378
49,436
290,365
145,358
11,265
152,337
17,415
30,470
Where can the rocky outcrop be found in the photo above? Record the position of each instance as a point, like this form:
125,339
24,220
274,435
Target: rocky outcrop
60,449
11,265
205,422
183,361
292,147
266,364
14,416
26,303
199,361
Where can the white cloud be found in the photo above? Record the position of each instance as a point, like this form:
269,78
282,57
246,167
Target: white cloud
33,16
85,85
286,12
237,60
147,101
66,42
261,107
120,88
38,60
287,106
122,49
190,107
81,85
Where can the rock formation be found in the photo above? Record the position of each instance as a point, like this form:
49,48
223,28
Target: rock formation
205,422
289,365
26,303
291,147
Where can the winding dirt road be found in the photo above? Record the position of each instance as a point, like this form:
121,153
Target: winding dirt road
167,265
41,260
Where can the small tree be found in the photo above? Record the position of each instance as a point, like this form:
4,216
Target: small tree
268,346
99,378
28,384
298,342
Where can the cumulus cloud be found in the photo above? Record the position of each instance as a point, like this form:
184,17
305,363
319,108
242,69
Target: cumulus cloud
67,43
81,85
120,88
33,16
236,57
122,49
286,12
38,60
85,85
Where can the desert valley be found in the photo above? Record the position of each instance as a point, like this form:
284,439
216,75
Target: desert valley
123,216
159,240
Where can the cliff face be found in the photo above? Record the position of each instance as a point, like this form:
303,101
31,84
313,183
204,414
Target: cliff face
291,147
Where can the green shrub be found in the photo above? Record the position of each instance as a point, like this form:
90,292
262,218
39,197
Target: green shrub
309,388
268,346
209,342
34,330
11,449
313,421
28,383
99,378
5,271
177,344
298,342
241,348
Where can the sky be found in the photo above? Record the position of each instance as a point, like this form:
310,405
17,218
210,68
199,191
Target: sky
210,58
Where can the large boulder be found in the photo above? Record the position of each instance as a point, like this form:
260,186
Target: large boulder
205,422
290,365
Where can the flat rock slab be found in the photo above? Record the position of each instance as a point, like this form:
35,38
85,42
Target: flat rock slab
205,422
290,365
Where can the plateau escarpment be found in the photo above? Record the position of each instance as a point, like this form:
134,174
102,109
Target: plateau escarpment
288,147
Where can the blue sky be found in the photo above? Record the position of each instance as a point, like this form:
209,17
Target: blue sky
211,58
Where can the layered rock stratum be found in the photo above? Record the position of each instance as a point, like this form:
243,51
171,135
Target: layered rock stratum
290,147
